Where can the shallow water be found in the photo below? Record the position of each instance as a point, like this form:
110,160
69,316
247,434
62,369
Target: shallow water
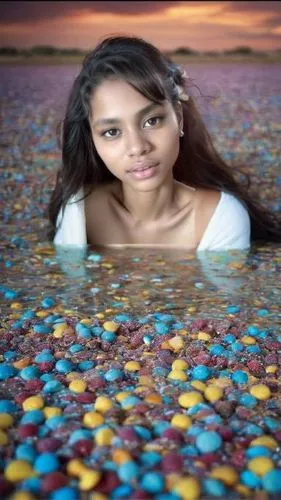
244,120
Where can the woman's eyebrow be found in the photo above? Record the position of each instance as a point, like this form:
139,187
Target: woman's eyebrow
112,121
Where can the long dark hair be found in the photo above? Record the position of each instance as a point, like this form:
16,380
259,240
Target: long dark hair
155,76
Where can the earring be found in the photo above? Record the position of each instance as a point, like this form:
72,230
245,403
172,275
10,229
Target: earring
181,133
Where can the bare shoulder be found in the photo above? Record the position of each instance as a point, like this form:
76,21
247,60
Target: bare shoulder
206,203
97,194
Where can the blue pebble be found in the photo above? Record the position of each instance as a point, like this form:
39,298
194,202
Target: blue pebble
55,422
201,372
32,484
86,365
194,430
122,318
46,463
143,432
83,331
95,257
76,348
271,481
28,315
79,434
250,479
253,330
7,371
214,487
10,294
272,423
97,331
128,472
160,371
33,417
30,372
113,374
150,458
262,313
46,377
147,339
233,309
67,492
253,349
109,337
53,386
161,328
258,451
160,426
130,400
26,452
48,302
7,406
64,366
208,441
229,338
10,355
253,429
152,482
237,347
122,491
217,350
44,357
42,329
240,377
189,450
248,400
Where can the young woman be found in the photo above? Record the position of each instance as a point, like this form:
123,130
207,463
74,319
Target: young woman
138,164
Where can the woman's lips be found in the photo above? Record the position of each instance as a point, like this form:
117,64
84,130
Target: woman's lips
144,172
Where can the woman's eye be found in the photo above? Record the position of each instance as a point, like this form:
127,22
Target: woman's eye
153,121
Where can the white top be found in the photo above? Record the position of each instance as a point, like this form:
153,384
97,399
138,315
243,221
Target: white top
228,228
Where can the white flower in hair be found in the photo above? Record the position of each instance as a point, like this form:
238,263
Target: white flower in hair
181,93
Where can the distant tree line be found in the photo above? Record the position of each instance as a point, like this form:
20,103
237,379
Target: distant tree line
49,50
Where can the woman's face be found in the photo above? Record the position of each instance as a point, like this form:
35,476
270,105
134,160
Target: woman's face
131,132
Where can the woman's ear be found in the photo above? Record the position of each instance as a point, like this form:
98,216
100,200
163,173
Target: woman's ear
179,114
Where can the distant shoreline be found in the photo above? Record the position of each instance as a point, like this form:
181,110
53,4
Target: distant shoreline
177,58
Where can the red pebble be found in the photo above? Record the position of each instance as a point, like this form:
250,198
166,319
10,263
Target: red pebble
22,396
53,481
140,495
225,432
5,487
34,385
83,447
48,444
173,435
128,434
96,383
210,458
27,430
46,367
238,459
85,397
172,462
277,436
141,409
202,359
109,482
256,367
271,359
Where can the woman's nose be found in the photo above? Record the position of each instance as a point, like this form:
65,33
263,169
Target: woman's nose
137,144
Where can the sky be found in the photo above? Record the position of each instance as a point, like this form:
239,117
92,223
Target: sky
201,26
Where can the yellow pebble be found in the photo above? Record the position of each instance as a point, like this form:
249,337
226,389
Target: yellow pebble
132,366
177,375
3,438
197,384
103,437
271,369
110,326
204,336
172,480
267,441
153,398
120,456
213,393
98,496
181,421
189,399
248,340
89,480
188,488
146,380
59,329
103,404
18,470
76,467
260,391
99,315
78,386
33,403
260,465
243,490
6,420
120,396
22,495
52,411
86,321
221,382
93,419
179,364
192,309
182,332
42,314
226,474
176,343
16,305
22,363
